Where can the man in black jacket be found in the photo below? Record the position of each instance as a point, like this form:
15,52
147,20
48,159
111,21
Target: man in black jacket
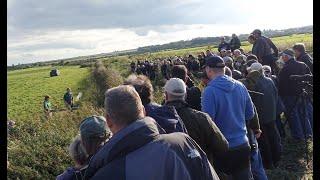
193,97
262,49
223,44
234,42
199,125
290,91
302,56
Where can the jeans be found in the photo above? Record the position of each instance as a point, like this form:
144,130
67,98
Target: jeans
299,122
257,166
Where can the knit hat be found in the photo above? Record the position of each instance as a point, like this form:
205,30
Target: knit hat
176,87
94,126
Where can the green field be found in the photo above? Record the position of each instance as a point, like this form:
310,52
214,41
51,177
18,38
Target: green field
37,149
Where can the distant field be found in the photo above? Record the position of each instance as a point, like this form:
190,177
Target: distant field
26,88
281,42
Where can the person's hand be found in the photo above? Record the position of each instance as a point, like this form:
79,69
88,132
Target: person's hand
257,133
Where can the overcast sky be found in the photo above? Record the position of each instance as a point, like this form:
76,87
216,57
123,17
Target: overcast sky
46,30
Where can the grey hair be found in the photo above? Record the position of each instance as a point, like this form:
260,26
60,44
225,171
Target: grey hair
123,104
78,152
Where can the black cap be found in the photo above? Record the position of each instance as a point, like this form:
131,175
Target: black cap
215,62
248,64
256,31
288,52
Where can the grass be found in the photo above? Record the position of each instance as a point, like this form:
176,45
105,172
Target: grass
37,149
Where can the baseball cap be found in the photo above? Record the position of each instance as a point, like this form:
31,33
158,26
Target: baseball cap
175,86
94,126
215,62
288,52
255,67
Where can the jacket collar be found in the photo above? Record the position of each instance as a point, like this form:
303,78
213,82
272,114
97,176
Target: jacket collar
177,104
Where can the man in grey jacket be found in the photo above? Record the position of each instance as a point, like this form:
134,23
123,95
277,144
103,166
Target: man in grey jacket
139,150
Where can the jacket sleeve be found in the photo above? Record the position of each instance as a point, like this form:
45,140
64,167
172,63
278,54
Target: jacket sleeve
274,47
254,123
249,112
208,103
214,138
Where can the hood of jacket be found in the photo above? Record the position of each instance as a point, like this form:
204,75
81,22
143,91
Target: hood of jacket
223,82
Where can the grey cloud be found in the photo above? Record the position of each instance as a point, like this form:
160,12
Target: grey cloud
89,14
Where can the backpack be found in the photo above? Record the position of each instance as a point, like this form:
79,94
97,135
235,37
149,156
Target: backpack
167,117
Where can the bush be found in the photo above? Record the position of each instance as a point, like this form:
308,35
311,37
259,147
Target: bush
104,79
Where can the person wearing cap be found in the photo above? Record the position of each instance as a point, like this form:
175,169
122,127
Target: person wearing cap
199,125
165,116
94,133
290,90
223,44
302,56
234,42
80,157
139,149
262,47
270,141
229,105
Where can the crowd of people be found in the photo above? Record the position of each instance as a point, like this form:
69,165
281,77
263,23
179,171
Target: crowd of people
227,127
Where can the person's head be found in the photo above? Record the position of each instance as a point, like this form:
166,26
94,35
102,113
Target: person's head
229,53
267,70
223,52
236,52
214,67
94,133
143,86
222,39
122,107
175,89
228,71
228,61
179,71
255,67
208,52
252,57
68,89
203,54
234,35
78,153
298,49
46,97
251,39
256,33
287,54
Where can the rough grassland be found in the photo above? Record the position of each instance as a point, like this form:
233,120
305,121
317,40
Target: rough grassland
37,149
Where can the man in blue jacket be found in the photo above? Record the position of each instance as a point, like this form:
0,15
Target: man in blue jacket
138,149
228,103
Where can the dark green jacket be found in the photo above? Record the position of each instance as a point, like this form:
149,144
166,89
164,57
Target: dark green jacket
266,105
202,129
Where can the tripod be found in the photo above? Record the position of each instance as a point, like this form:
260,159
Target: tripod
303,99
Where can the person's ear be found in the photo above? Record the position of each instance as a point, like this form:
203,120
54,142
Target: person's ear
109,121
144,111
166,96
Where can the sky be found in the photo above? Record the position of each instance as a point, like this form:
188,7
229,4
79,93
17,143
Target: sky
40,30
